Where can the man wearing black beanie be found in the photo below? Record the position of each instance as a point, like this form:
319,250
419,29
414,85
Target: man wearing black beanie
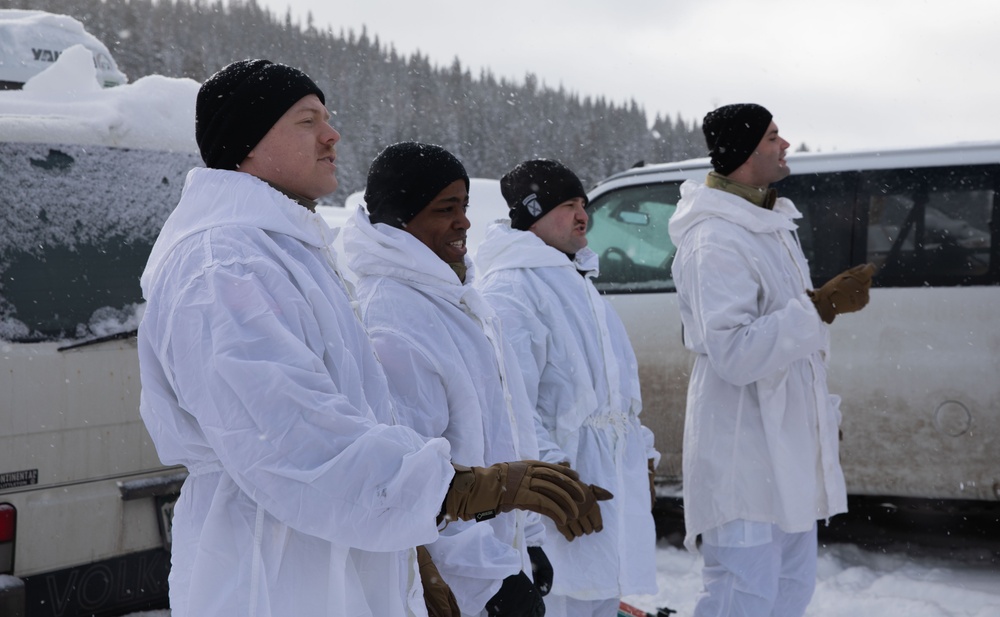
534,188
258,377
761,459
407,176
732,133
447,363
237,107
583,381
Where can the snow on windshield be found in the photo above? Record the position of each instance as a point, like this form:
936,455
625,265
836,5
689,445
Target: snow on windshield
87,177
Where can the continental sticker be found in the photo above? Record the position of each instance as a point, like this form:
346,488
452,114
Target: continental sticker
13,479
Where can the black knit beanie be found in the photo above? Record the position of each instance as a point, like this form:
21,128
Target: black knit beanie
238,105
405,177
732,133
535,187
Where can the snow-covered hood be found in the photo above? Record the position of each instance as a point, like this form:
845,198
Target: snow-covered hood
383,250
218,198
715,203
506,249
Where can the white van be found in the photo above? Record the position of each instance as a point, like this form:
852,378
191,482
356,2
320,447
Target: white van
84,188
918,369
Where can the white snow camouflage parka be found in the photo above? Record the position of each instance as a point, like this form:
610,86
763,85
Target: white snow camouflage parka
452,375
761,430
582,379
259,378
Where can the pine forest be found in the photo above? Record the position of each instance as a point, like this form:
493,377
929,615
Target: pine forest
378,96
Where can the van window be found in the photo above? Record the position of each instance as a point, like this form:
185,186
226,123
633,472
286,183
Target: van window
829,220
930,227
921,226
76,227
628,230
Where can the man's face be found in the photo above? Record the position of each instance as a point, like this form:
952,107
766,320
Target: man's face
767,163
298,153
442,224
564,227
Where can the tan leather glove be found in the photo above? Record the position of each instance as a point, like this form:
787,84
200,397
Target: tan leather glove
845,293
480,493
438,597
652,484
590,519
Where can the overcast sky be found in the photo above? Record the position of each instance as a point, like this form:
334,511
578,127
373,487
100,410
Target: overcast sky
836,74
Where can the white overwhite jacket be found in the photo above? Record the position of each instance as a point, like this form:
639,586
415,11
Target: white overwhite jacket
761,430
258,377
583,382
452,375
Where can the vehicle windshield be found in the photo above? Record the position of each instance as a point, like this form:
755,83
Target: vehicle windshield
76,227
628,229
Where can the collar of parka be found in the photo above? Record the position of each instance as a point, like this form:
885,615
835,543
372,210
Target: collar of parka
764,198
460,269
308,204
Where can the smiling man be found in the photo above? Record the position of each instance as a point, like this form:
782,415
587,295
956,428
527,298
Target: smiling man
582,380
761,462
449,369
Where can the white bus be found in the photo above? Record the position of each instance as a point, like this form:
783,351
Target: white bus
918,369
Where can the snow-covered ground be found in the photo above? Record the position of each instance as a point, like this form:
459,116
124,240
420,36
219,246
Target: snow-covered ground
855,583
851,583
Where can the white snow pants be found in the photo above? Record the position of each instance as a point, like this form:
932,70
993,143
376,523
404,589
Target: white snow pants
564,606
756,570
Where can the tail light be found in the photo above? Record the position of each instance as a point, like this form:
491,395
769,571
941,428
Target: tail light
8,527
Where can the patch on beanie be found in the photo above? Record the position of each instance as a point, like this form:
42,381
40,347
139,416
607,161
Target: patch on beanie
531,203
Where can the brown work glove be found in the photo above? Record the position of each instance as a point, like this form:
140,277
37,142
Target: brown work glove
845,293
480,493
652,484
590,519
438,597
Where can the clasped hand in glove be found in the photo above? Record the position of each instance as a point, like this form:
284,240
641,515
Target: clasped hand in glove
845,293
590,519
480,493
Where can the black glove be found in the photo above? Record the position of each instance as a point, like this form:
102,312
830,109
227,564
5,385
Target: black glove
518,597
541,569
652,484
